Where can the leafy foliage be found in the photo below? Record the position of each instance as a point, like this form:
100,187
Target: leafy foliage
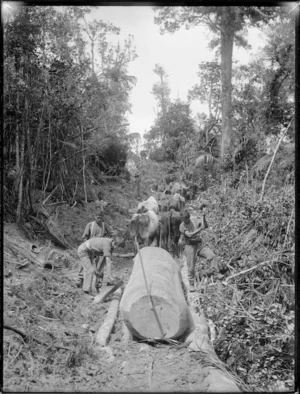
209,88
56,107
253,312
176,127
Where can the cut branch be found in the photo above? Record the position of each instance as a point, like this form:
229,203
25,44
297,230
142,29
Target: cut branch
248,270
27,337
273,158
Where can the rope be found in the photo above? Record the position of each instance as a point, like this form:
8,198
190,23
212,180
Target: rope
160,234
151,303
169,232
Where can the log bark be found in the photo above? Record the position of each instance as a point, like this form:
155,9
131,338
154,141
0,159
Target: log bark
164,312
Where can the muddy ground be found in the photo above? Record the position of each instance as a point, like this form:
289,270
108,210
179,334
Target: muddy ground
56,349
47,306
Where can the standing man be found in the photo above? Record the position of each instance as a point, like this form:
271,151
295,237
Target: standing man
97,228
87,251
193,243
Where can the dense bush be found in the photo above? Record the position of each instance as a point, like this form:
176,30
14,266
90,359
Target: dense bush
254,311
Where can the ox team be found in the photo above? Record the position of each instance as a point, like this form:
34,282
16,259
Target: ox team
162,220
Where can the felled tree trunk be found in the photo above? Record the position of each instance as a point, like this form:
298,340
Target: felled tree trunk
160,312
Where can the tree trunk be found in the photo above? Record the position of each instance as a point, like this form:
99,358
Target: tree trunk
83,164
153,303
93,61
20,178
227,39
17,145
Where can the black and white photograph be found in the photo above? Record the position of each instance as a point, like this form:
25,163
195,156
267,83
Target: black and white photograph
148,197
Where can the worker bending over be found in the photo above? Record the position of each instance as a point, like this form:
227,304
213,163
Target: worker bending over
97,228
95,247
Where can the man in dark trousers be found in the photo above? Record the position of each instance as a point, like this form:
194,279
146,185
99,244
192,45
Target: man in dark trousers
193,243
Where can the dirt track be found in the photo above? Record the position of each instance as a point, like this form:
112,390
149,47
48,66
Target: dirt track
69,320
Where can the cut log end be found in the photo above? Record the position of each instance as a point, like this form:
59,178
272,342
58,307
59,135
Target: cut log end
142,322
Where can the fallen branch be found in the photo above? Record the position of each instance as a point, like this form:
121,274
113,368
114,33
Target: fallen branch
273,158
106,292
27,337
123,254
47,198
106,328
247,270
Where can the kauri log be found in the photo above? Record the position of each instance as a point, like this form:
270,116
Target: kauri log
170,317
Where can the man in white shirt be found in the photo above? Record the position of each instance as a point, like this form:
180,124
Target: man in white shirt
96,247
97,228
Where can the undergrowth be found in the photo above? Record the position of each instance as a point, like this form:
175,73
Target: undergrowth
252,304
40,310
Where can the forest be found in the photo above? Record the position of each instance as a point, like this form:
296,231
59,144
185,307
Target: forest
66,138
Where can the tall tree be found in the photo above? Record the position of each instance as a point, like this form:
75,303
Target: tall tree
208,90
228,23
177,127
97,32
115,62
161,90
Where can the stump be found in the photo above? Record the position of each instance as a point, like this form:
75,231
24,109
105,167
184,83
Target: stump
170,317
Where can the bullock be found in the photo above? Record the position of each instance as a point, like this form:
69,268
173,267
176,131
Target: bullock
180,188
168,202
145,226
148,205
164,202
177,202
169,231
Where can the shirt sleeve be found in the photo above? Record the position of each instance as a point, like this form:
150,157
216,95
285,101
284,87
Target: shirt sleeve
87,231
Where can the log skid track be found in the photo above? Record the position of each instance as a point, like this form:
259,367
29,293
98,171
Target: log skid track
81,345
